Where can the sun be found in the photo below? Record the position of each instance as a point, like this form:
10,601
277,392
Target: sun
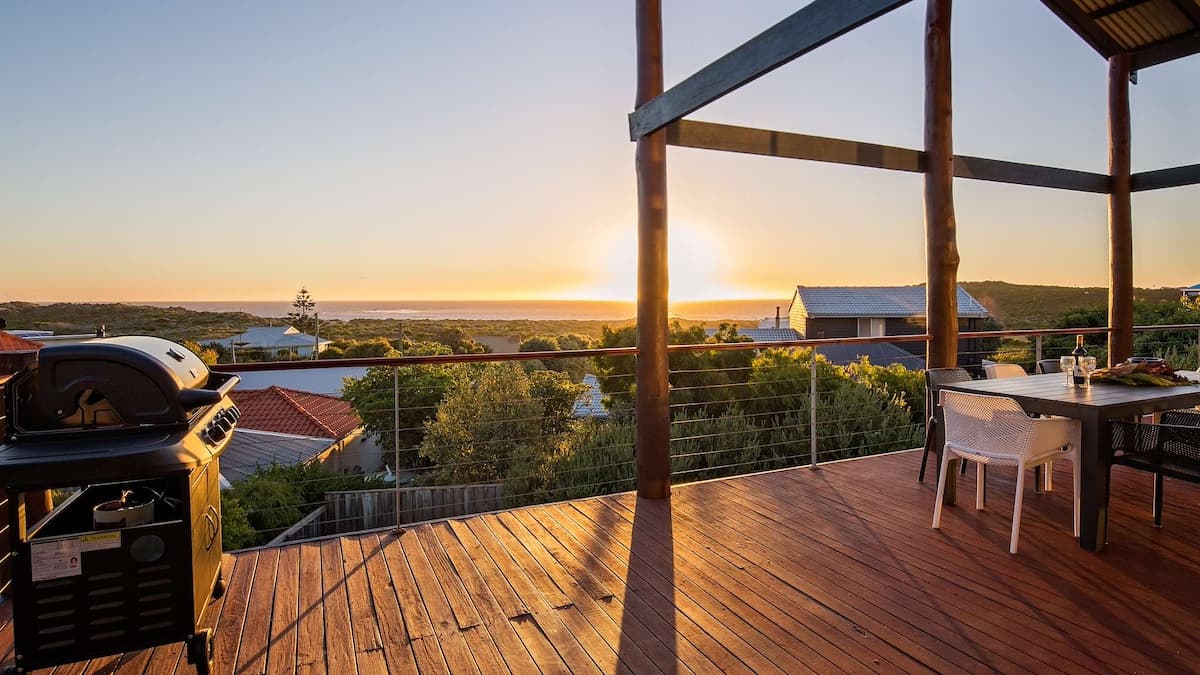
699,266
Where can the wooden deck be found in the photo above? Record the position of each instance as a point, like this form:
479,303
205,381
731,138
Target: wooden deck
793,571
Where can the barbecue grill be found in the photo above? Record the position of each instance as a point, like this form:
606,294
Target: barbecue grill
131,559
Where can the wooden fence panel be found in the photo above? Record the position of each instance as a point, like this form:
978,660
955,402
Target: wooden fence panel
354,510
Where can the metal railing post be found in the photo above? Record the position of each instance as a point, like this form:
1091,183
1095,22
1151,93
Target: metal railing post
1038,341
396,440
812,408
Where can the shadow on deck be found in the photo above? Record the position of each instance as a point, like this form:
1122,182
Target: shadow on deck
791,571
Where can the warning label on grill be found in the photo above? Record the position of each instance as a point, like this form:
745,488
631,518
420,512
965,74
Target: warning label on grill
99,541
55,559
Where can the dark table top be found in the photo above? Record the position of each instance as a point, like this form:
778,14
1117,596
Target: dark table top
1051,389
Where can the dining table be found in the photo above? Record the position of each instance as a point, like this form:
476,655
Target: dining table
1094,406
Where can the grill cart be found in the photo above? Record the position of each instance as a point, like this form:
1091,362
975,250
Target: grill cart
130,559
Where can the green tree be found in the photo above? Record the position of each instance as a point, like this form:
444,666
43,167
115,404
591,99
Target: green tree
493,414
575,368
706,379
421,389
208,355
236,531
376,348
303,305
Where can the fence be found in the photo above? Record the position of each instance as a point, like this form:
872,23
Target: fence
356,510
515,420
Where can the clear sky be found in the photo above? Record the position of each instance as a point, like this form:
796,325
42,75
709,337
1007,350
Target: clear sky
478,149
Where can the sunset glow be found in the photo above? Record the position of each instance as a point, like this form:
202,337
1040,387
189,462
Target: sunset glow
699,265
174,152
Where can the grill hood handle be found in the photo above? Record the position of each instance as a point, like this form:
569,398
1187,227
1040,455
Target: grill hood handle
194,398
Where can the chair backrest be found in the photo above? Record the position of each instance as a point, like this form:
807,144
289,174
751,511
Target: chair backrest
934,379
994,425
1048,366
996,371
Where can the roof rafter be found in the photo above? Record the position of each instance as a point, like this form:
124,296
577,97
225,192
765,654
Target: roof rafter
805,30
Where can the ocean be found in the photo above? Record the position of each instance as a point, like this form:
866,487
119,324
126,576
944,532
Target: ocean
491,310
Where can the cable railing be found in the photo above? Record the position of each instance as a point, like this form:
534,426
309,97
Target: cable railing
488,431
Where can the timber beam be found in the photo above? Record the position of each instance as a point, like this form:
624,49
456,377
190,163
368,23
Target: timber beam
809,28
729,138
1162,178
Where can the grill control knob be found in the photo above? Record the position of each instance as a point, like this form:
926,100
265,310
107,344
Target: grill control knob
215,433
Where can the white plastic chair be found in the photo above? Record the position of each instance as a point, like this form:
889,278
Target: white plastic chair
996,371
994,430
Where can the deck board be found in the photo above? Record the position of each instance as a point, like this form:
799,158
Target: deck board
834,570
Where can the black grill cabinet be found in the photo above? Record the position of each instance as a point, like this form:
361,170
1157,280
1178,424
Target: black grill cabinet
135,416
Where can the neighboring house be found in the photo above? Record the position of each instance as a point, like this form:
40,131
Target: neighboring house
16,352
289,417
275,339
591,402
860,311
329,381
762,334
1192,291
250,450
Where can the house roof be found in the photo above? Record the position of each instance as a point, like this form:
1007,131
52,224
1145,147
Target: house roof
317,380
876,301
879,353
300,413
1152,31
591,402
276,337
14,344
249,450
1193,287
764,334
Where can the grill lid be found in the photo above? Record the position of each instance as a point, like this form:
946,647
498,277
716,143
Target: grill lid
112,383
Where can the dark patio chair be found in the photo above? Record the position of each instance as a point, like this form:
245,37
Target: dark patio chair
934,379
1168,449
1048,366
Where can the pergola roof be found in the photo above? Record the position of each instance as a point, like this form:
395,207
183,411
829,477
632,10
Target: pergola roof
1152,31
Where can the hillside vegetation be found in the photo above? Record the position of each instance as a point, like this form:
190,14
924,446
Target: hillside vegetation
1012,305
1018,306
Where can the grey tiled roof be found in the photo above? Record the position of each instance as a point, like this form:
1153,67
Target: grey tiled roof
880,354
876,301
248,451
591,402
763,334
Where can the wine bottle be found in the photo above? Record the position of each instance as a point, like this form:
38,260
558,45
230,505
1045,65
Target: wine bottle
1078,377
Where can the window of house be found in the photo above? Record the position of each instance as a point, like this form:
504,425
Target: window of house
872,327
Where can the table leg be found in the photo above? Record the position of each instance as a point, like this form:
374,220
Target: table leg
951,492
1094,465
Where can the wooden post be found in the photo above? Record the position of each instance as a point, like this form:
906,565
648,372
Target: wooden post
653,436
1120,214
941,248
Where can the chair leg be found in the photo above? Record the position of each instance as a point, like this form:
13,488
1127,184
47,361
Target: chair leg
1077,476
1158,499
941,490
980,477
1016,527
929,441
1048,475
1038,479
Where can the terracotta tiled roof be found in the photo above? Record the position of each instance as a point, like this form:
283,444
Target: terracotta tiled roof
13,344
287,411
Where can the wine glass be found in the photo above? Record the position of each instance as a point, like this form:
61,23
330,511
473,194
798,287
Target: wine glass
1089,365
1066,364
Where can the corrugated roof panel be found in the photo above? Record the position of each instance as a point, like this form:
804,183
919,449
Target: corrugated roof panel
1154,31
